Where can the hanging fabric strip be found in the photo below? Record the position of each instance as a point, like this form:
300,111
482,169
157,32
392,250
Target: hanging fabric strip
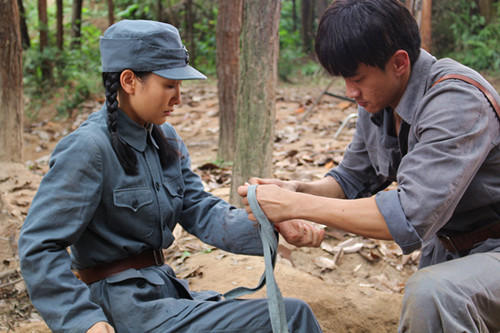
270,246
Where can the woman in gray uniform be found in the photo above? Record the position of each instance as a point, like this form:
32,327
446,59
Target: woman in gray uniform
115,190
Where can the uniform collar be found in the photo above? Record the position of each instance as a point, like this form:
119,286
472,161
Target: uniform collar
149,129
416,87
131,132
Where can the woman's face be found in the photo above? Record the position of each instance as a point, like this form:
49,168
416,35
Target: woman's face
153,99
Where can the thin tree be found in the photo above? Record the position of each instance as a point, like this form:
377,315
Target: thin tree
294,15
159,11
307,16
410,5
321,6
111,12
486,9
228,31
256,98
25,37
59,24
46,66
189,16
426,25
76,24
11,84
415,8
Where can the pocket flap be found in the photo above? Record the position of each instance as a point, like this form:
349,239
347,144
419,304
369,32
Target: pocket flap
132,198
174,186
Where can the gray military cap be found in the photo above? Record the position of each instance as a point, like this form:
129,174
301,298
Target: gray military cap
146,46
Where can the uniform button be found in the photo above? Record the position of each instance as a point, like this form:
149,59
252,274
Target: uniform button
157,186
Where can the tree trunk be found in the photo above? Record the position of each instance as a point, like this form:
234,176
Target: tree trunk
172,13
426,25
416,10
46,67
409,5
59,24
228,66
25,37
76,24
111,12
321,6
486,9
256,98
189,31
159,11
11,84
294,14
307,11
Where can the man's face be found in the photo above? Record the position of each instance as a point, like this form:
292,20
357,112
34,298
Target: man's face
374,88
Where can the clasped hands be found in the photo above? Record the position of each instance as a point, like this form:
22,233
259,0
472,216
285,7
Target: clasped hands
272,195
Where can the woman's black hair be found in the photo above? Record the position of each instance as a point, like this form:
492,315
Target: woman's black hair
352,32
123,151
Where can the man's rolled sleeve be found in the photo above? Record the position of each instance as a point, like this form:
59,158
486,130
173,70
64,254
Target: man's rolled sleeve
400,228
350,185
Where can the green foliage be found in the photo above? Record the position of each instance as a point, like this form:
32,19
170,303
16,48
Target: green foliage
136,11
292,59
76,72
475,42
204,37
221,163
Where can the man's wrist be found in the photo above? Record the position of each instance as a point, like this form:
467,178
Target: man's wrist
299,186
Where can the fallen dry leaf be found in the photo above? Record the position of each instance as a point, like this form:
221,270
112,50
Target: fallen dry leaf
324,263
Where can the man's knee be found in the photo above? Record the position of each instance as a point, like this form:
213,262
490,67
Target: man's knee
424,290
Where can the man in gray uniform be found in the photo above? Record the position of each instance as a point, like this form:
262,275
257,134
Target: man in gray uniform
433,127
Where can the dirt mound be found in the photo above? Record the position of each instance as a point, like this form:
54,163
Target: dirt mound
339,307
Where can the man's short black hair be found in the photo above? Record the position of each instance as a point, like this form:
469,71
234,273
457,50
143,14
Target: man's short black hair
351,32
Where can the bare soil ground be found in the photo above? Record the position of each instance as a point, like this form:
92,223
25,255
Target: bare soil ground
352,284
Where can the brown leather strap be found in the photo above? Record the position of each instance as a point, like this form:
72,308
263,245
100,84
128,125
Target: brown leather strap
465,241
141,260
476,84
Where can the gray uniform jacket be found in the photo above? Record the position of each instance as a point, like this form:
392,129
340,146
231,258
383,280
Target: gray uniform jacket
449,179
86,201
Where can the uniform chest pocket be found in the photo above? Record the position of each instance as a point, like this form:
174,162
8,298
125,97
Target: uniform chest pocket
175,186
132,198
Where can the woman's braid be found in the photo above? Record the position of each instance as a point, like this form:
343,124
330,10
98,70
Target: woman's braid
125,154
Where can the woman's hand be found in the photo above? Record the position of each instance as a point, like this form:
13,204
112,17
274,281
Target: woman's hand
101,327
301,233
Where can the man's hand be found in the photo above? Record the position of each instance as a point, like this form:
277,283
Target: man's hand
287,185
274,201
101,327
301,233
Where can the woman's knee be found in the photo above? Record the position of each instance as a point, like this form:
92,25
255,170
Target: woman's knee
300,316
295,304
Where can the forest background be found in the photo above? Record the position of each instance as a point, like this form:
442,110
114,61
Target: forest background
64,66
61,85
